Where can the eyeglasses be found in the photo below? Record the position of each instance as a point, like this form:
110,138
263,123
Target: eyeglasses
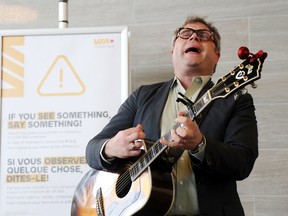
202,34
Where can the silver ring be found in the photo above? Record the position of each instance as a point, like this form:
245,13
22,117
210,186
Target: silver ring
182,125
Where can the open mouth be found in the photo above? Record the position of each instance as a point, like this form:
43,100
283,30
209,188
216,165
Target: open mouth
192,49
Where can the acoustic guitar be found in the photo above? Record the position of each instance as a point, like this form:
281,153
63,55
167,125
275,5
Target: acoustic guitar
139,189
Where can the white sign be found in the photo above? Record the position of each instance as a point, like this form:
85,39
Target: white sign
59,89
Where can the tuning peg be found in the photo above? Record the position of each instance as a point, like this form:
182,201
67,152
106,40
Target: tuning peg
243,52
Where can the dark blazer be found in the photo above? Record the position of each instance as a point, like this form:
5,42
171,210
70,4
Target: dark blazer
230,128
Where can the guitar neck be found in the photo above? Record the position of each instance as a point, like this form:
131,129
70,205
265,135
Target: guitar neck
157,148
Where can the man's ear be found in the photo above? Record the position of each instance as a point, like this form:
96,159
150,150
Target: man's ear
218,54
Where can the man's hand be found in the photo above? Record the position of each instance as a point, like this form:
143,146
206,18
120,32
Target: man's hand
126,143
187,136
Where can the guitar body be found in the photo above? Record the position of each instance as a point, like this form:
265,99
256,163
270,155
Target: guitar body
150,194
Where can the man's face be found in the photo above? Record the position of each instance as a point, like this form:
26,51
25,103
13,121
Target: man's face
194,54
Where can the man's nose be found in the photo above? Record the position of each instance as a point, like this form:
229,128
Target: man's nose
194,36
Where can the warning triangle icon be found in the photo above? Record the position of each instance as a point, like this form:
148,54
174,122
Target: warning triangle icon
61,79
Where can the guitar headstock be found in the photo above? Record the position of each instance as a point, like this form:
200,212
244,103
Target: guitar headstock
243,74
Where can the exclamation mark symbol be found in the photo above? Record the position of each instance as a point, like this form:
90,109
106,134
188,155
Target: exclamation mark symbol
61,78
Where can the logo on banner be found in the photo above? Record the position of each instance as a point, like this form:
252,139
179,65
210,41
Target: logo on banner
61,79
104,42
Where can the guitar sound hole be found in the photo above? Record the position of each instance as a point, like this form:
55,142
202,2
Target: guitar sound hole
123,185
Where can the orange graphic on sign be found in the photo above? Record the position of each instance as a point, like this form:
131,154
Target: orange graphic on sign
61,79
12,70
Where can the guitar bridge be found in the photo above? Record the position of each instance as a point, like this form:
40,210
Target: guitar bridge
99,203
